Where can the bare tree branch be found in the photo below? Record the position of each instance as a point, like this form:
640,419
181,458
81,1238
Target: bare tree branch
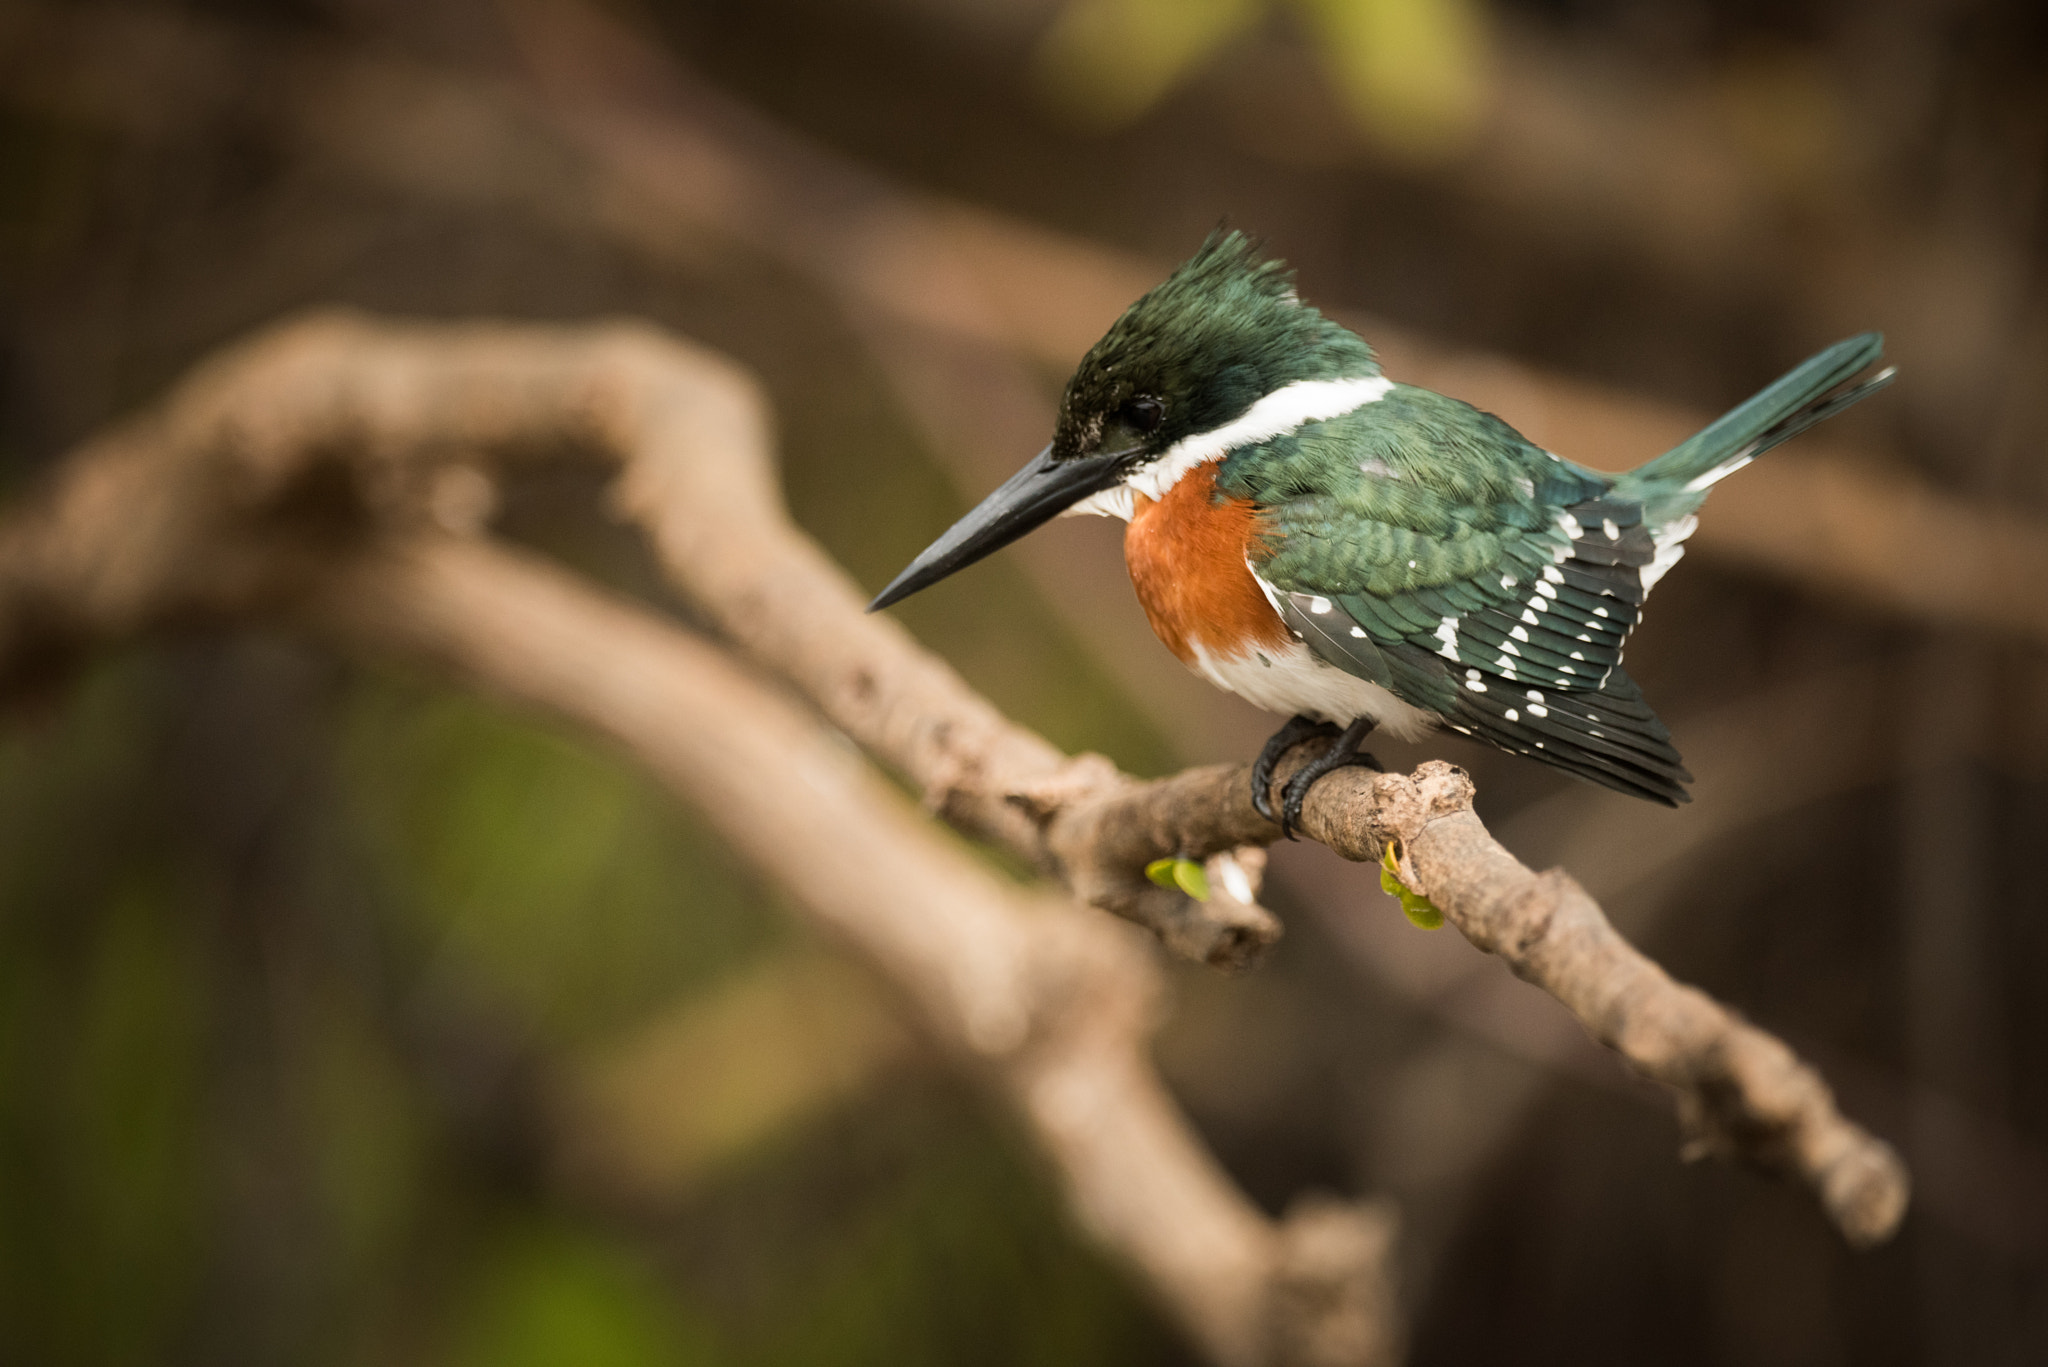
1055,1006
301,476
306,473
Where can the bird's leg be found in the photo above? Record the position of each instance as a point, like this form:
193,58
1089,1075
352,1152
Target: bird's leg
1297,730
1342,753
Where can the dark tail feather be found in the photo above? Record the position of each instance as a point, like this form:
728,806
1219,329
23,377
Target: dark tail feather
1811,392
1820,410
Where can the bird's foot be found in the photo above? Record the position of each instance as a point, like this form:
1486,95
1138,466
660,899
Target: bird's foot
1297,730
1342,752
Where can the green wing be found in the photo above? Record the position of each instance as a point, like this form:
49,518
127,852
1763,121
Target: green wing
1429,548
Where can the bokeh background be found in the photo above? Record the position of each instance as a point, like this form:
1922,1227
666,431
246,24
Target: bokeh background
345,1018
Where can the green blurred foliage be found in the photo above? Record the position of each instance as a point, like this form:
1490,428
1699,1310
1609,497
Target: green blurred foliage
523,885
1412,73
103,1024
547,1295
1108,61
964,1258
371,1165
563,879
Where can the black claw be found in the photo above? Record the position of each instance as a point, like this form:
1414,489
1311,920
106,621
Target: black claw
1343,753
1297,730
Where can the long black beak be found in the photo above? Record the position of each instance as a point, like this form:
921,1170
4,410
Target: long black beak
1030,498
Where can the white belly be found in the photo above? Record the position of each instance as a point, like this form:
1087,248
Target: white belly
1291,680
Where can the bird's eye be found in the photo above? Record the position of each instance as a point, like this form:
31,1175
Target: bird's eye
1144,413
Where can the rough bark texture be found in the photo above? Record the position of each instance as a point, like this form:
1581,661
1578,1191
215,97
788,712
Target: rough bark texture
337,472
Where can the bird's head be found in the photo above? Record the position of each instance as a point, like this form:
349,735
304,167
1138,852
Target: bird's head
1192,357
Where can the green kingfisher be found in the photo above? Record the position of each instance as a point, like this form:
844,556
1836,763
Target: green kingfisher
1356,553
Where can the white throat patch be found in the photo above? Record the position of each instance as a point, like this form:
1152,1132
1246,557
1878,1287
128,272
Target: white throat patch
1280,412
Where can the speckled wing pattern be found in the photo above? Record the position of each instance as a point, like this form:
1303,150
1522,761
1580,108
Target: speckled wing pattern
1429,548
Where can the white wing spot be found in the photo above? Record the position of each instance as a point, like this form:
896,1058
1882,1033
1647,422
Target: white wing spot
1447,632
1537,709
1667,539
1319,605
1535,695
1512,715
1505,666
1507,581
1471,673
1553,575
1358,631
1529,616
1607,526
1475,685
1508,647
1576,655
1518,633
1546,590
1570,526
1599,612
1526,485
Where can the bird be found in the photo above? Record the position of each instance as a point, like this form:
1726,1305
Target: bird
1357,554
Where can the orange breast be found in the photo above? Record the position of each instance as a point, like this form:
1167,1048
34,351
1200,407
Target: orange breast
1186,554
